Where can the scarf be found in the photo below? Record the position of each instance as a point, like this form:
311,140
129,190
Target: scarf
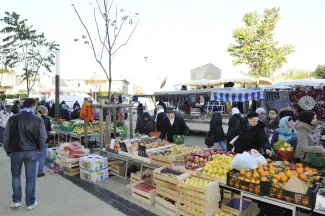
30,110
284,129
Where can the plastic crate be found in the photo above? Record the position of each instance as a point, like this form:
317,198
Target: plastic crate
178,139
306,200
316,160
261,189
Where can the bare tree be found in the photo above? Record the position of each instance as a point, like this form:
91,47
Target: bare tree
113,23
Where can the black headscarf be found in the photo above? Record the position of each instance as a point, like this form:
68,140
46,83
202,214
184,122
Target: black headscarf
306,117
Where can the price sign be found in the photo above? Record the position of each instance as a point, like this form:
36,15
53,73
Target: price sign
123,147
142,150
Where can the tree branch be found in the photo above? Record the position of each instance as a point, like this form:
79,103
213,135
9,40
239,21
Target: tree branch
91,41
127,39
119,30
115,24
100,38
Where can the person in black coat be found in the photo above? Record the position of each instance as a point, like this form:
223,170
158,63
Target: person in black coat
252,135
75,105
145,125
172,125
160,116
233,122
216,129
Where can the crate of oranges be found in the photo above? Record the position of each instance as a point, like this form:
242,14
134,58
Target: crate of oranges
282,174
249,180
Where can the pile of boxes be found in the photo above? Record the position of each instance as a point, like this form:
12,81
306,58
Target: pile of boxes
93,168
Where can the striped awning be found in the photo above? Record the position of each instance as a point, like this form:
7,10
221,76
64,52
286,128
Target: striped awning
237,96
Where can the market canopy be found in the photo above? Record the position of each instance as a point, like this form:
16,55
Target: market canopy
237,96
296,83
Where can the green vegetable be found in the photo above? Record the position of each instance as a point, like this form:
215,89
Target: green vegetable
279,144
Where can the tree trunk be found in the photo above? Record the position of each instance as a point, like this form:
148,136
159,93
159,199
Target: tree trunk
110,77
27,84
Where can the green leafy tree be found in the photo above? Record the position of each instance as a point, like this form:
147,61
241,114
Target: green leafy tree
255,46
110,24
320,71
298,74
27,49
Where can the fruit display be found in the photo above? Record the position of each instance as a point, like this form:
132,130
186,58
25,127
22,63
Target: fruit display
283,146
149,145
218,167
178,150
197,182
91,128
198,159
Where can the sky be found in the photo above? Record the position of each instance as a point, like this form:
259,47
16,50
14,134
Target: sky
175,35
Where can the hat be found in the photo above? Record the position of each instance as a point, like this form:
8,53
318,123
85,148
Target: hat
252,114
306,117
169,110
234,111
146,115
260,110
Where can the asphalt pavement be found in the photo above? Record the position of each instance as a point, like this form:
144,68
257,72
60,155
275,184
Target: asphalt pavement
55,195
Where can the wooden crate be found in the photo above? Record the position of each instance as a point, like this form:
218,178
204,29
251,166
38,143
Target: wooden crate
208,177
182,211
165,206
247,207
136,177
71,171
210,193
118,169
209,208
158,176
144,192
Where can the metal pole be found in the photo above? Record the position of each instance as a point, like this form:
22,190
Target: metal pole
57,85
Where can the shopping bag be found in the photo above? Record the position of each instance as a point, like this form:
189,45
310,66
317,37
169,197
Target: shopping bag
244,161
260,158
209,141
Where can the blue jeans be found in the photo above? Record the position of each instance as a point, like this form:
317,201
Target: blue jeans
223,145
29,159
41,159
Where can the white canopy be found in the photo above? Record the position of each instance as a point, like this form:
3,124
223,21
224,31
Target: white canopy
293,83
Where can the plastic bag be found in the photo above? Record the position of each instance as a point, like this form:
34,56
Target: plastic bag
260,158
244,161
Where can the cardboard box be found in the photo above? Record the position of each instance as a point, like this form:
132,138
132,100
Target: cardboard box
94,177
52,153
93,162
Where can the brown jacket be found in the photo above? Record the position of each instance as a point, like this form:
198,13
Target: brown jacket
307,141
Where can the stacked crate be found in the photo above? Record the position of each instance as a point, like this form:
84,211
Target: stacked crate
144,176
93,168
200,199
167,195
144,192
70,165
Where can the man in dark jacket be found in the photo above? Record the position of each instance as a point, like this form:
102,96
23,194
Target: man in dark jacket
216,129
24,135
172,125
145,125
233,122
252,135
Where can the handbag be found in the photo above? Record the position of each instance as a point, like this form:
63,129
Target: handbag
209,139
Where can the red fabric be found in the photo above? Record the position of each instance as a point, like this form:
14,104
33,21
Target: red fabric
317,94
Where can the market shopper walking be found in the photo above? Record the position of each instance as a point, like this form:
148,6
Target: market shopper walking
42,112
24,136
216,129
4,116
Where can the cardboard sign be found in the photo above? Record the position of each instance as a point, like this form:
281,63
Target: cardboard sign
142,150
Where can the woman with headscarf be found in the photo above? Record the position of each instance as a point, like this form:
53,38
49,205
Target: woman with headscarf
140,111
145,125
233,122
308,136
216,129
286,131
65,113
159,117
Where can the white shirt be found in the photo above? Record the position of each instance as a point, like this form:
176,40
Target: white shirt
171,121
